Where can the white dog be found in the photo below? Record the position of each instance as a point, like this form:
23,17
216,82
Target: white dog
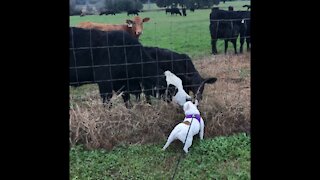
181,130
181,97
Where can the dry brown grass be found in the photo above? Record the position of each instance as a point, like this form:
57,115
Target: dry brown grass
225,108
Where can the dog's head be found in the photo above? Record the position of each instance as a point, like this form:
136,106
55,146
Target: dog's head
180,96
190,108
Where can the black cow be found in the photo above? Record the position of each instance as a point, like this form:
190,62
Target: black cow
82,13
184,11
175,11
247,6
227,25
181,65
168,10
133,12
192,9
115,61
107,12
230,8
245,30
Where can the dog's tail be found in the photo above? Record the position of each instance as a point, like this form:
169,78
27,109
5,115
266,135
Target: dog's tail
209,81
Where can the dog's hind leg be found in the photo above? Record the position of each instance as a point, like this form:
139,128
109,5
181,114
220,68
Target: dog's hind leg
201,129
172,137
188,144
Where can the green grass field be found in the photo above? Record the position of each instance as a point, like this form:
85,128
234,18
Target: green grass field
217,158
188,35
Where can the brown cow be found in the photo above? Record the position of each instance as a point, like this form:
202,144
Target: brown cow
133,27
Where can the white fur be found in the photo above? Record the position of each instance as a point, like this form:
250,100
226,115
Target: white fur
173,79
181,130
181,96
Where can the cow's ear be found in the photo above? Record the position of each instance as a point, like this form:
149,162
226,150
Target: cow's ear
145,19
129,22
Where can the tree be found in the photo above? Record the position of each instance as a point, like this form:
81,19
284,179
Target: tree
216,2
123,5
188,3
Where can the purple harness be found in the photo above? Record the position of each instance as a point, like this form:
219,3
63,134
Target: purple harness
197,116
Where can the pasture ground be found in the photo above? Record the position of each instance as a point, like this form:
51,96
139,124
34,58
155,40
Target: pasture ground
217,158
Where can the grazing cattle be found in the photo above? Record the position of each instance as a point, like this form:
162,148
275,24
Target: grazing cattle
230,8
192,9
245,30
168,10
222,26
114,60
226,25
175,11
181,65
133,27
107,12
133,12
184,11
247,6
82,13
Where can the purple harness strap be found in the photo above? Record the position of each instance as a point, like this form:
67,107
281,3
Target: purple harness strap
197,116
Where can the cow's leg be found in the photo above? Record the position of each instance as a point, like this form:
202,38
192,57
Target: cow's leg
241,44
248,44
234,42
148,98
138,97
126,99
225,46
105,92
213,46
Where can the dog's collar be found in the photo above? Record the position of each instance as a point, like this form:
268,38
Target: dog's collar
197,116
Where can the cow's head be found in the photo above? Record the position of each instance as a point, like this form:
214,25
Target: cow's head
136,25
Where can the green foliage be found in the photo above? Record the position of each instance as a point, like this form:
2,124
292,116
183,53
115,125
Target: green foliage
217,158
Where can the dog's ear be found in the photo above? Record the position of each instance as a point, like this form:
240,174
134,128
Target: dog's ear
196,102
